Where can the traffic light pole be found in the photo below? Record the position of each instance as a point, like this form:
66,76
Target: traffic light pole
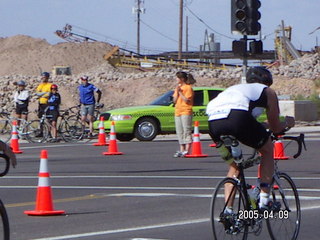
245,60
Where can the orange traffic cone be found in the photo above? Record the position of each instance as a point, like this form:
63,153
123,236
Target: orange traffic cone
212,145
14,144
196,145
113,148
278,151
44,205
102,135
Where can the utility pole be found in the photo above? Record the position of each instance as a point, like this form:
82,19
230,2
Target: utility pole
187,32
138,9
180,30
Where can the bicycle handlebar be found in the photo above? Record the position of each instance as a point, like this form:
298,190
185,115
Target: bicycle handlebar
299,139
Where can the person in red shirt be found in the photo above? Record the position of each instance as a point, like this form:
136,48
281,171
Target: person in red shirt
183,99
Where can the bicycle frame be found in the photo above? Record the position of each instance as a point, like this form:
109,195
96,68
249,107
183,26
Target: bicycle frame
283,205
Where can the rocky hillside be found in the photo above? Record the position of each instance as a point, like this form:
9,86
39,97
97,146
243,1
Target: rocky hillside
23,57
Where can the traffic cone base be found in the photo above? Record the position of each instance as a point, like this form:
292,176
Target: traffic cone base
112,153
278,151
101,144
44,204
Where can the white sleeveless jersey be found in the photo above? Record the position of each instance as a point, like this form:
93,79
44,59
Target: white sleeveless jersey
238,97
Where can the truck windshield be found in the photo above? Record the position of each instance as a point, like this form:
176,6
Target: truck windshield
164,100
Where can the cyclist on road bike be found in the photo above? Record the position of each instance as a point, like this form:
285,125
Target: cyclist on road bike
88,101
234,111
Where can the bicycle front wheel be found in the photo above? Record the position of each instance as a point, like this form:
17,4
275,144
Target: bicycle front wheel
5,130
284,221
36,131
71,129
226,224
4,227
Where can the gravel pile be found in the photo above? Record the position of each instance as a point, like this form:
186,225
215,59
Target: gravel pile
23,57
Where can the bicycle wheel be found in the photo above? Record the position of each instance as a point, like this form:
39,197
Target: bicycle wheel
36,131
5,130
228,225
284,221
5,227
71,129
4,169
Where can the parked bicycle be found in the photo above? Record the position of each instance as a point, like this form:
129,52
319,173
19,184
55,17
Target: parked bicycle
75,116
6,121
283,220
38,131
6,157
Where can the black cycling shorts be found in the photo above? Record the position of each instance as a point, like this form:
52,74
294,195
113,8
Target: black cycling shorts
52,115
242,125
22,109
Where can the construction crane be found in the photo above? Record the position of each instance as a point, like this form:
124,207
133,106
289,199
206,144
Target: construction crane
67,34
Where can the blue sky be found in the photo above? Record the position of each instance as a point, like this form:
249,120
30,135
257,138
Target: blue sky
114,22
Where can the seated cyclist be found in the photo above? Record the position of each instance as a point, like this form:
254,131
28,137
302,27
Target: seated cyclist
233,112
54,102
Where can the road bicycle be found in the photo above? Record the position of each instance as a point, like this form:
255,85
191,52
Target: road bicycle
4,169
75,116
38,131
6,121
282,220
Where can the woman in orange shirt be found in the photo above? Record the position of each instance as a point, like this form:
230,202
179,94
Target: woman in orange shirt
183,99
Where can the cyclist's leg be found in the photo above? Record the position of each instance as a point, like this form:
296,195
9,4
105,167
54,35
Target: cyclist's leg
267,163
232,173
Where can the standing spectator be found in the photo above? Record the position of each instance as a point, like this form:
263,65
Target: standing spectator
183,99
43,91
21,98
88,101
54,102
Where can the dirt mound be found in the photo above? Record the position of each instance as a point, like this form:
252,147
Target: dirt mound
29,56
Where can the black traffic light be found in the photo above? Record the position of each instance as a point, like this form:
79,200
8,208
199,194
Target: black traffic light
256,47
245,17
239,48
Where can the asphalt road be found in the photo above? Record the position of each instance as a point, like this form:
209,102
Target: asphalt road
143,194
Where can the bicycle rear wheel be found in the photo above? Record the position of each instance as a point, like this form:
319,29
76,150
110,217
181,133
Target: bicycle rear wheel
4,227
5,130
71,129
284,223
226,225
36,131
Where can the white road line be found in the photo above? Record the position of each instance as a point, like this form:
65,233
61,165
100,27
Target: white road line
123,230
136,188
58,145
149,177
90,234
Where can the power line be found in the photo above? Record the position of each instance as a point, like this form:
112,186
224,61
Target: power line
174,40
196,16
